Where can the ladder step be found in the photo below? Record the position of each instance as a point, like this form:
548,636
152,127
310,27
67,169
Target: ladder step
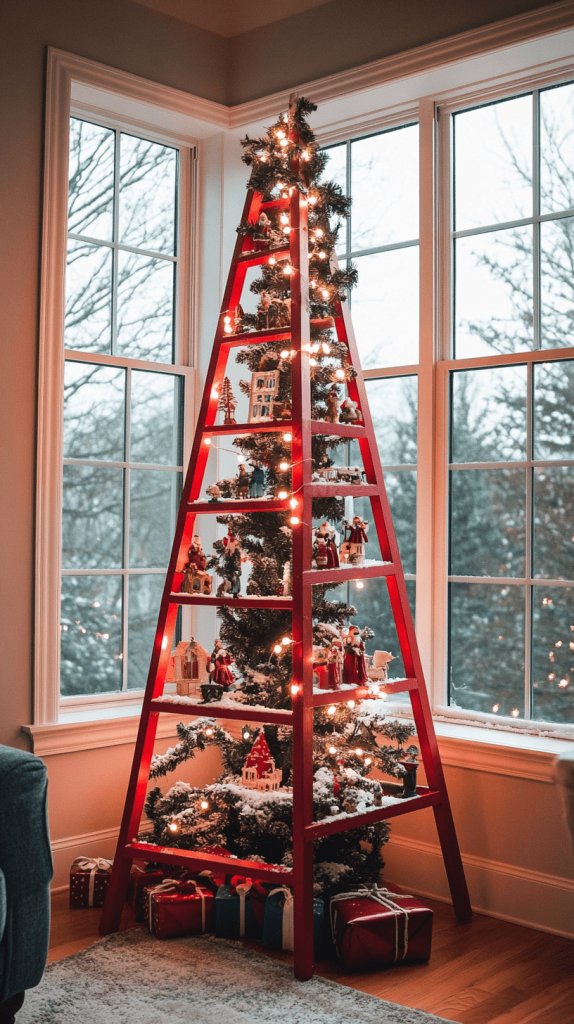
329,826
337,429
216,710
196,861
348,573
250,601
271,334
261,427
322,697
220,508
252,259
341,490
276,204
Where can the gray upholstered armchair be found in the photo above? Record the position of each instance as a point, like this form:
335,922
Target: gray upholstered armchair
25,873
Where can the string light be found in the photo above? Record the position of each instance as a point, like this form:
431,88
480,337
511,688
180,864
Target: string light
173,826
294,521
284,466
284,354
563,683
288,269
292,353
164,643
286,641
558,643
246,734
515,712
368,760
495,708
319,232
324,293
326,348
331,710
272,261
284,218
214,393
241,458
359,584
313,284
340,374
204,805
286,230
322,255
277,648
294,689
207,441
315,347
551,676
280,135
358,751
332,750
209,732
287,437
306,154
96,604
282,495
312,362
313,200
293,503
351,703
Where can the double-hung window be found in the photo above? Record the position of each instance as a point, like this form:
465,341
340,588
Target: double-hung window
124,397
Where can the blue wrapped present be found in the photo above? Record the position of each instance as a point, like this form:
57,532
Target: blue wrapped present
239,909
278,921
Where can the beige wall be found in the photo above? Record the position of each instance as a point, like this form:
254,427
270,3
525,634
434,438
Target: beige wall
509,822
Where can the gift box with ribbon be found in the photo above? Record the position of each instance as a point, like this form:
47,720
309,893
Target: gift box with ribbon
140,879
89,880
179,908
278,921
379,927
239,909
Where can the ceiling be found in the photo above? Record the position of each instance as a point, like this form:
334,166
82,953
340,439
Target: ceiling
230,17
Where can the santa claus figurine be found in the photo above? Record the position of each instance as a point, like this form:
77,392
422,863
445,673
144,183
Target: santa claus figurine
333,404
325,537
335,665
354,668
221,674
353,546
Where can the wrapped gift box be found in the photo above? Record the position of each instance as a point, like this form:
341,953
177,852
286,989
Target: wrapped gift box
179,908
278,921
239,909
89,880
140,879
380,927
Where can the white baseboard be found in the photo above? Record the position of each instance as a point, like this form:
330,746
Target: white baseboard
64,851
508,892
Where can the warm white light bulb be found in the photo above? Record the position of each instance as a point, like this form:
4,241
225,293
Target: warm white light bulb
287,437
358,751
312,362
241,458
322,255
294,521
288,269
319,232
294,689
204,805
515,712
209,732
284,218
280,134
284,354
277,649
245,735
293,503
324,293
351,703
214,393
340,374
332,750
282,495
312,200
286,641
359,584
284,466
332,710
315,347
207,440
368,760
326,348
164,643
272,261
173,826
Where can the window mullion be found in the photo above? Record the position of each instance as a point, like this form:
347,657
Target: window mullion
126,545
115,257
536,310
528,553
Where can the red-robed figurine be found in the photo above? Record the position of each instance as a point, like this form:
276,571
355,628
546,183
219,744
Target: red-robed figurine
221,674
325,534
354,668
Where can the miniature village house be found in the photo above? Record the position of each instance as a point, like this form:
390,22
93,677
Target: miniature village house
259,771
264,387
188,668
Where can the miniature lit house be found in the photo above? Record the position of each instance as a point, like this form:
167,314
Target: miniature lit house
264,388
259,771
188,668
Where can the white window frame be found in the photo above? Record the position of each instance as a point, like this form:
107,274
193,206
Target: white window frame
73,85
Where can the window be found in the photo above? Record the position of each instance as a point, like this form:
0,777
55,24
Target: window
380,174
123,405
511,523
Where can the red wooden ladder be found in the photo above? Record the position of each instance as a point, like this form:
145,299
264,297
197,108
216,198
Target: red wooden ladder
302,427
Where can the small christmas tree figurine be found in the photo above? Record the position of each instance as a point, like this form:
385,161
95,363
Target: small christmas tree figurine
259,771
227,402
231,568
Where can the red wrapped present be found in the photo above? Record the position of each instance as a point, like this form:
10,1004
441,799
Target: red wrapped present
141,879
379,927
89,880
212,879
179,908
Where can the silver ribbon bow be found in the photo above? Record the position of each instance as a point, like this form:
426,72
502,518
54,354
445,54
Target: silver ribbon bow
382,896
93,865
287,935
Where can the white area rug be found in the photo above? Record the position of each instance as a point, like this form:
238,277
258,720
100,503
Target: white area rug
132,978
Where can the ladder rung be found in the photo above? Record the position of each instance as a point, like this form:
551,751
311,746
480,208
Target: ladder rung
217,710
361,692
348,573
260,427
272,334
249,601
330,826
337,429
276,204
261,255
221,508
200,861
341,490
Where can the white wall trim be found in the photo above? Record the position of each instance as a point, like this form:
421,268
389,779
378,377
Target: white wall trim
533,899
68,737
69,842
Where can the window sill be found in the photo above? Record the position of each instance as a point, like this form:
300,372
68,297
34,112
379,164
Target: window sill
73,733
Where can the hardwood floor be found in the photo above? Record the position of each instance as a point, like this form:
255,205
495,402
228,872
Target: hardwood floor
485,972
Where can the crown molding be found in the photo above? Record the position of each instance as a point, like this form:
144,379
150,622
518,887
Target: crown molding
422,59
